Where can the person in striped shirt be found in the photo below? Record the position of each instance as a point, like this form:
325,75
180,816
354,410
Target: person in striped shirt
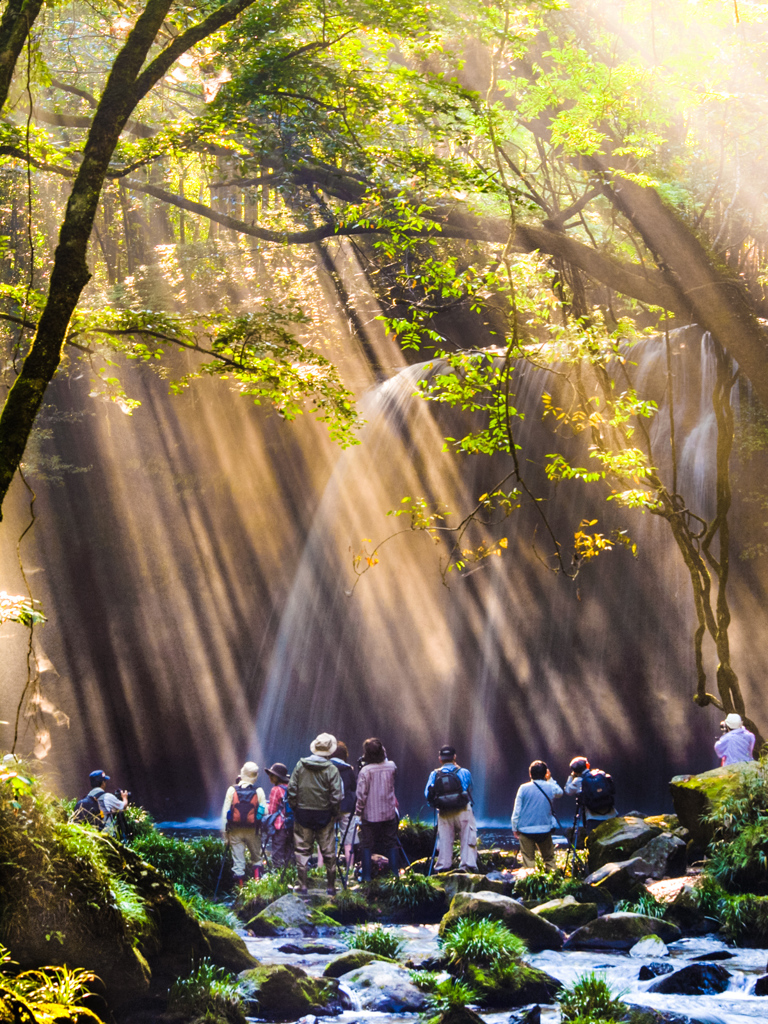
376,806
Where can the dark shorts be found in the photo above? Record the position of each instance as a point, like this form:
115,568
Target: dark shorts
378,834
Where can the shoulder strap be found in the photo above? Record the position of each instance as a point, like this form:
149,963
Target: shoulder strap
546,797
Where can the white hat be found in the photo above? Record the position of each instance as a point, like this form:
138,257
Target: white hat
733,721
324,744
249,771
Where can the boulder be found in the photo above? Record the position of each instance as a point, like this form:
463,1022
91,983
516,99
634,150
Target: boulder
458,1015
694,980
653,970
385,987
519,986
695,795
498,860
227,948
288,914
351,961
761,986
666,854
618,839
284,992
567,913
683,909
651,945
595,894
527,1015
622,879
318,948
717,954
460,882
620,931
537,932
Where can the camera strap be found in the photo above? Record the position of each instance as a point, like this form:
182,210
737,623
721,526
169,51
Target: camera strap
546,797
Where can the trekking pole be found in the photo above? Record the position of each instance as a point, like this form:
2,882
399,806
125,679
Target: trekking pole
221,869
400,844
343,847
434,848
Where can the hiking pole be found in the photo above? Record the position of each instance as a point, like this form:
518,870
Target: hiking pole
221,870
400,844
344,876
434,848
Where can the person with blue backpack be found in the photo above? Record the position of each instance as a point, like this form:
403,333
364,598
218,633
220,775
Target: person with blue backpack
449,791
277,826
244,806
99,808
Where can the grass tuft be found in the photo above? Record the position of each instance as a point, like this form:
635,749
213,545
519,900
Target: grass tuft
209,993
376,940
590,999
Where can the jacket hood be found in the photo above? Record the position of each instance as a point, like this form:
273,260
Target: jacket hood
315,762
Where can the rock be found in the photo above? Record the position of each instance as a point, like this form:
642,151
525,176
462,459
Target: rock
460,882
694,796
284,992
595,894
528,1015
567,913
647,1015
350,961
620,931
623,879
519,987
538,933
653,970
683,909
666,854
289,912
618,839
319,948
459,1015
385,987
718,954
761,986
651,945
227,948
694,980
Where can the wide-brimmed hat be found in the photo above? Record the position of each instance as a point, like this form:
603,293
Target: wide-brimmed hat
279,772
733,721
249,771
324,744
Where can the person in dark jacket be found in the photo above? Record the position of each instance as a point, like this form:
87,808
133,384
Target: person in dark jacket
314,793
346,823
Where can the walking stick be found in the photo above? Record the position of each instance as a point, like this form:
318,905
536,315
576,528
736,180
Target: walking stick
343,844
221,871
434,848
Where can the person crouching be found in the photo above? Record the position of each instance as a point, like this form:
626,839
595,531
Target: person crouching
244,807
533,817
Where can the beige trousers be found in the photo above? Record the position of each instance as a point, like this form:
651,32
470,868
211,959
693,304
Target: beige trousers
240,840
528,843
448,824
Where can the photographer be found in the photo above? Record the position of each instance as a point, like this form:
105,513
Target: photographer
737,743
99,808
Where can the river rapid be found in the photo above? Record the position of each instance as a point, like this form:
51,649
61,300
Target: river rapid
736,1005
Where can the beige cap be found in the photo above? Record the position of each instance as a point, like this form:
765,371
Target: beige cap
248,772
733,721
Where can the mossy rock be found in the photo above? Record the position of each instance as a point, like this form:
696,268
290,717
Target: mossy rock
227,948
288,912
285,992
694,796
459,1015
460,882
521,987
618,839
567,913
621,931
351,960
623,880
538,933
497,860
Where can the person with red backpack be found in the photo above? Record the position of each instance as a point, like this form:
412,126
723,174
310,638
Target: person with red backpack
244,807
449,791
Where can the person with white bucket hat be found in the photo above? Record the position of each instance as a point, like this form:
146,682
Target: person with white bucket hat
244,807
315,793
737,742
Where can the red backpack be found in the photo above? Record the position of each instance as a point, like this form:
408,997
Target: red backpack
245,809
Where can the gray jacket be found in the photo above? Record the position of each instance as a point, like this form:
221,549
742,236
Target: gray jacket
533,813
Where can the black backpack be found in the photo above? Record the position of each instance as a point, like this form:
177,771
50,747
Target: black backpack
597,791
245,809
349,779
88,810
447,792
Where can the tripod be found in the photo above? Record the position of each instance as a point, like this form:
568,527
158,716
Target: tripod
578,866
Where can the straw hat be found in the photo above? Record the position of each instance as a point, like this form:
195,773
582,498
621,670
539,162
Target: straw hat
324,744
248,772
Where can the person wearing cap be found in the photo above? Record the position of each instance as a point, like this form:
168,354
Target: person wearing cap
315,793
533,816
376,807
244,807
109,804
590,819
737,742
279,811
449,821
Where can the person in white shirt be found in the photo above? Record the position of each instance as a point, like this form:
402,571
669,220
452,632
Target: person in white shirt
533,817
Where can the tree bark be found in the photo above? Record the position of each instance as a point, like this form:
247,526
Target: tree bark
15,24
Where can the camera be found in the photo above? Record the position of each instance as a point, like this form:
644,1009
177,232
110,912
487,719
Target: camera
724,727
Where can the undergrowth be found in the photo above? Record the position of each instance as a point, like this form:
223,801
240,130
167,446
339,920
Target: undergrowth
443,994
44,996
590,1000
375,940
481,942
646,903
546,885
193,863
205,909
208,992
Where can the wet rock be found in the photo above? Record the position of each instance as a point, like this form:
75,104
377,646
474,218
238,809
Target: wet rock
385,987
459,1015
497,860
284,992
654,970
647,1015
618,840
595,894
694,980
460,881
623,879
320,948
227,947
718,954
528,1015
682,906
538,933
651,945
519,987
287,913
694,795
567,913
351,961
666,854
761,986
620,931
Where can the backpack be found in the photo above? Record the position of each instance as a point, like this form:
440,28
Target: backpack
246,808
447,792
88,810
284,811
349,781
597,791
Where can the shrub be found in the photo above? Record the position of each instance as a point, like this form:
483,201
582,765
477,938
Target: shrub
646,903
409,892
204,909
42,996
590,999
744,919
349,907
545,885
375,940
739,852
193,863
417,837
209,992
446,995
481,943
138,822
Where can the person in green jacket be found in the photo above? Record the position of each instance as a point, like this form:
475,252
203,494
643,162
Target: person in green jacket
315,793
